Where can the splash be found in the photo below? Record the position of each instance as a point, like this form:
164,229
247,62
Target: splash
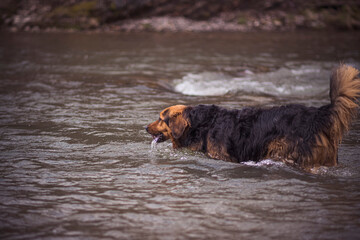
203,84
303,82
154,142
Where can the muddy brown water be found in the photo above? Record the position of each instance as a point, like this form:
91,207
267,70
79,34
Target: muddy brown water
76,162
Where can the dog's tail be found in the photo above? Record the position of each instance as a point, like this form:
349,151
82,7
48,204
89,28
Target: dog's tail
344,91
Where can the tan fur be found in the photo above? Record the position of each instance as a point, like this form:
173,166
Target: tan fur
280,150
176,127
218,151
324,152
345,88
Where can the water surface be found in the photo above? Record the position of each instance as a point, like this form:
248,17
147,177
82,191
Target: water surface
76,162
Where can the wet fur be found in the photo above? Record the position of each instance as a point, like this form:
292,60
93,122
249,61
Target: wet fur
307,137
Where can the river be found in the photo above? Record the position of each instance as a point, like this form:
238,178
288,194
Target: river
77,163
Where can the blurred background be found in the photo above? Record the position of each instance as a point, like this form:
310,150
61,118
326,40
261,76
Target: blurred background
177,15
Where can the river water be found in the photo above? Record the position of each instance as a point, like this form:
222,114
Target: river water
76,162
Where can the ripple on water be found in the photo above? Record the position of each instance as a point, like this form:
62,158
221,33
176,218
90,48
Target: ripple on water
77,163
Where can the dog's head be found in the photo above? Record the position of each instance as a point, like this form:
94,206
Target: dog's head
171,124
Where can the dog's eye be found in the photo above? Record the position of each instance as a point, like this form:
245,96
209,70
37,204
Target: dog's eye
166,120
160,120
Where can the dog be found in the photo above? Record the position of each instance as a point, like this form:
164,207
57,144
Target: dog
306,137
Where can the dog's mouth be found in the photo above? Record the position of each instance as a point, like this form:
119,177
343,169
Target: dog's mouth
158,138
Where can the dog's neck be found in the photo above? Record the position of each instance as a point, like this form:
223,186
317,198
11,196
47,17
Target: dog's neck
193,138
195,143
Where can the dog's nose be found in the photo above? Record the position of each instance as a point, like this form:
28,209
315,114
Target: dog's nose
147,129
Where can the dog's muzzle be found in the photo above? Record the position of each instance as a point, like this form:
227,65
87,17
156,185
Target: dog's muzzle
156,137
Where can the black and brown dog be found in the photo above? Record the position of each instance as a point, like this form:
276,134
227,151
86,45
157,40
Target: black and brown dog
307,137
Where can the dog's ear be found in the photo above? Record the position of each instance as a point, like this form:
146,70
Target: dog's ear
178,124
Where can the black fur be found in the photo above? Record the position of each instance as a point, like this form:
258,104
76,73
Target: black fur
247,133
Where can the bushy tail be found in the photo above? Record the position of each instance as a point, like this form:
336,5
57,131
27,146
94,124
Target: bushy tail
344,91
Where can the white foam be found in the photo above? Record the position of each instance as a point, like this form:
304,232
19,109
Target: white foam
282,82
266,162
203,84
303,71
